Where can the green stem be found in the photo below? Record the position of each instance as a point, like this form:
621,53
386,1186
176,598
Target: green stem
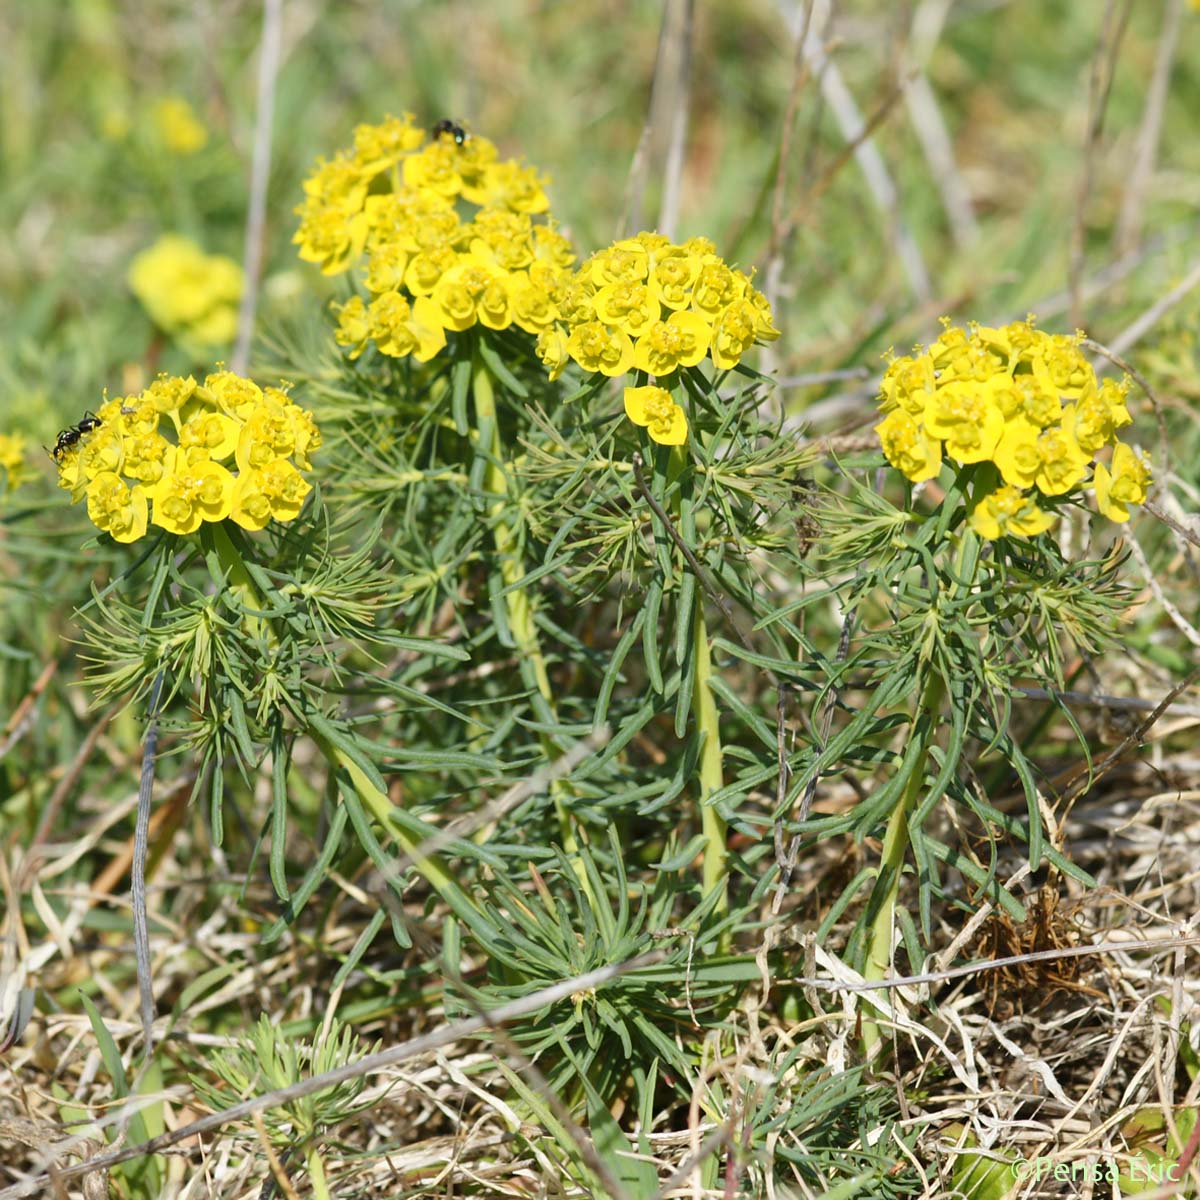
316,1172
238,576
896,839
518,605
712,777
379,805
895,850
508,550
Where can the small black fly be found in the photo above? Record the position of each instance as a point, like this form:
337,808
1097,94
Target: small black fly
452,128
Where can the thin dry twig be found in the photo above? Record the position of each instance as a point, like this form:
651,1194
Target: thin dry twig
1136,330
23,715
1170,522
1087,775
1176,617
1099,700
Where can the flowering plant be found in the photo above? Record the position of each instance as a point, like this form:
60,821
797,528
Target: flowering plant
132,474
562,539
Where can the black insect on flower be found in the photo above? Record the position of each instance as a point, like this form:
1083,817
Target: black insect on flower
71,435
447,126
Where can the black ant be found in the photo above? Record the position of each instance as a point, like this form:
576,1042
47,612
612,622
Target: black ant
456,131
70,436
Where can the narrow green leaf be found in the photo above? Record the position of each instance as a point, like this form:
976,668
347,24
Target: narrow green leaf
360,947
313,877
638,1176
499,368
279,812
684,857
460,389
683,702
650,649
683,616
613,671
143,1174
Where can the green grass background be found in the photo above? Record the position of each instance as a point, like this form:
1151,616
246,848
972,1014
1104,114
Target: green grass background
568,86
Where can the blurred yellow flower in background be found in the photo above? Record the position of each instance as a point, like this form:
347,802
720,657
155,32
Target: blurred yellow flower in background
12,459
177,126
189,294
115,124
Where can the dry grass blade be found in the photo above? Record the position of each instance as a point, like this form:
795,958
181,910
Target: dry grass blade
998,964
857,135
260,172
779,224
1137,183
666,119
1104,66
1136,330
929,125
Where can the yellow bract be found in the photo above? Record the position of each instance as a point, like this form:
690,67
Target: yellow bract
1125,483
653,409
1009,511
1026,401
116,508
132,475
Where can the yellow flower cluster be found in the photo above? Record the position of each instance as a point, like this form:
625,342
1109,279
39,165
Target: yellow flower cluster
12,459
189,294
396,207
1028,402
647,303
124,463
